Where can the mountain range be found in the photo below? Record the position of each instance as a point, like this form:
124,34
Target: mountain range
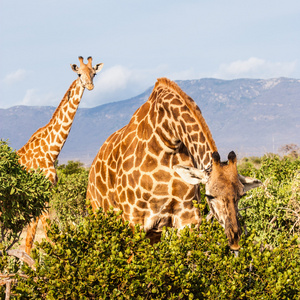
249,116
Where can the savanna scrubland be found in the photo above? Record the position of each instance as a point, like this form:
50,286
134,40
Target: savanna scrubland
97,256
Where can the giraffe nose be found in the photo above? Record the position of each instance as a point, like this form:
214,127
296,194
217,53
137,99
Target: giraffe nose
89,86
235,247
233,239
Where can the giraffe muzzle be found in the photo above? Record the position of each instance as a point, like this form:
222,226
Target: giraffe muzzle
233,235
89,86
233,241
235,247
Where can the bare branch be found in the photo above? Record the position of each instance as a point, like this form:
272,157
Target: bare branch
23,256
244,208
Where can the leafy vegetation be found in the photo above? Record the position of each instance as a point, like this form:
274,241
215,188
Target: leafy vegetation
97,256
273,211
103,258
68,197
23,196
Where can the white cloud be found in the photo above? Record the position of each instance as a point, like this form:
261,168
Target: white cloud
34,97
15,76
114,78
255,68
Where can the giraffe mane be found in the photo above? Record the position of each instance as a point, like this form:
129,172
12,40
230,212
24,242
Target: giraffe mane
191,104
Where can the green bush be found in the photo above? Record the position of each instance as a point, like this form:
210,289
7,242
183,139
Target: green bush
247,165
273,210
98,256
103,258
69,195
72,167
23,196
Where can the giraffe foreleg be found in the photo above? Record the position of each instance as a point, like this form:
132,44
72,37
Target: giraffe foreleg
44,217
31,231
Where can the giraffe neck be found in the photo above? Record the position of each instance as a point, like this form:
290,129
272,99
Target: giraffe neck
180,121
47,142
62,119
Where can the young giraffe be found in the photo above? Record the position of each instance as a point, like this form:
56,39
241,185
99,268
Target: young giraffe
136,168
44,146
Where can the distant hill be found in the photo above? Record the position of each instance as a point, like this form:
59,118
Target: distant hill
249,116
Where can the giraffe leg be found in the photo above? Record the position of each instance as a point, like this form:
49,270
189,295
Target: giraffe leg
31,230
44,217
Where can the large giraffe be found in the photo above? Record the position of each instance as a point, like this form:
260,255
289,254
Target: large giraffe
136,168
44,146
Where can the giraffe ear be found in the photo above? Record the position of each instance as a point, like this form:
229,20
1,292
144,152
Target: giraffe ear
191,175
249,183
74,68
98,67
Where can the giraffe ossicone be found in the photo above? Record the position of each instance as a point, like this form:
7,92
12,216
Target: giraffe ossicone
150,169
44,146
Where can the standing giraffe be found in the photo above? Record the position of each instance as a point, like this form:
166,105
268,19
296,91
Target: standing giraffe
44,146
136,168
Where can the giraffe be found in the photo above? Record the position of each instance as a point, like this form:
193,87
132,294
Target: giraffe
151,168
44,146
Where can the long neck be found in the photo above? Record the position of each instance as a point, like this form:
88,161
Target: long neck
181,121
50,139
63,117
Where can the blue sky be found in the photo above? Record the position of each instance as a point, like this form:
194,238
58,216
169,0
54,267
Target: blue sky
139,41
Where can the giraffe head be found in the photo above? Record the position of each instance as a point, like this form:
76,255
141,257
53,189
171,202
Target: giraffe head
224,187
86,72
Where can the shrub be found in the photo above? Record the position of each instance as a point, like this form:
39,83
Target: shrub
68,197
273,210
72,167
23,196
247,165
103,258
